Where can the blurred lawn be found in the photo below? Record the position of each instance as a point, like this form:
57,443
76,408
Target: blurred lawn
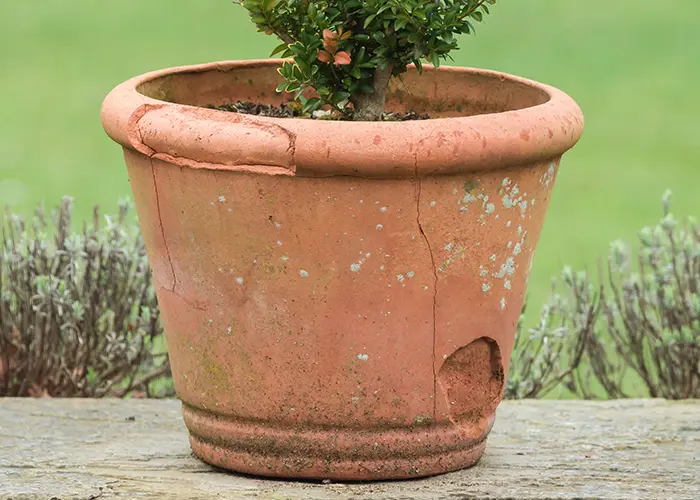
633,66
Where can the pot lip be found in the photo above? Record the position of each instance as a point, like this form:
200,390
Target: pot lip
173,132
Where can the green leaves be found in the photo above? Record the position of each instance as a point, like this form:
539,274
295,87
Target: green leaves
338,45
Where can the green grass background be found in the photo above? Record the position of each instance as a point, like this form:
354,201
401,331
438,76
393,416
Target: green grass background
633,66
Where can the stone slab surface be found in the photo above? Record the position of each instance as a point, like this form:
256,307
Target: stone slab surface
89,449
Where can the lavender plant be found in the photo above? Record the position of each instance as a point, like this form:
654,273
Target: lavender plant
645,322
548,356
653,311
78,315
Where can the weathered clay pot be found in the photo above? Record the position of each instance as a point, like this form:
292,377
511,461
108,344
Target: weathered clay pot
340,299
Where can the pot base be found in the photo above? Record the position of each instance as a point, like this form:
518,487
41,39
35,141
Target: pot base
341,454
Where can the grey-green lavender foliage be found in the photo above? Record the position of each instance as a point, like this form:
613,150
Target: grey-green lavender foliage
78,312
639,335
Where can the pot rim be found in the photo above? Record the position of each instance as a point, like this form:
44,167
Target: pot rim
197,137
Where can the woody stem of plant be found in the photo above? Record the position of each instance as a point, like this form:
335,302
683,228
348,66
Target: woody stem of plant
370,107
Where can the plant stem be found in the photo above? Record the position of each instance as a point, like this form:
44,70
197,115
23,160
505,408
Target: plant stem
370,107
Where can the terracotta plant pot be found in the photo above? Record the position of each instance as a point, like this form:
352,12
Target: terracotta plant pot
340,298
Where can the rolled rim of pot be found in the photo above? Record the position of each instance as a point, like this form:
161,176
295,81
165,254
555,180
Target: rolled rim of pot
483,120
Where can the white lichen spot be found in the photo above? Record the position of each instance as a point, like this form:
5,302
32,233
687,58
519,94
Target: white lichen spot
211,203
490,208
410,274
426,288
510,244
381,268
532,202
507,268
469,198
383,210
508,223
222,199
229,330
278,225
523,208
520,230
483,273
355,267
518,248
503,303
433,203
444,356
548,176
284,258
515,190
240,280
279,243
303,273
363,357
221,270
493,258
379,227
400,278
506,182
455,253
506,284
485,287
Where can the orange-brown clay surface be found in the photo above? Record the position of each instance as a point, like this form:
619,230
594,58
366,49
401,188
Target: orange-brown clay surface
340,298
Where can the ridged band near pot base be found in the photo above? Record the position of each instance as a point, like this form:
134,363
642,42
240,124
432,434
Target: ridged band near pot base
332,453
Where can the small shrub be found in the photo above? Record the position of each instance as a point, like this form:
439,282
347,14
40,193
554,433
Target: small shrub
348,50
78,315
548,355
653,312
643,329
